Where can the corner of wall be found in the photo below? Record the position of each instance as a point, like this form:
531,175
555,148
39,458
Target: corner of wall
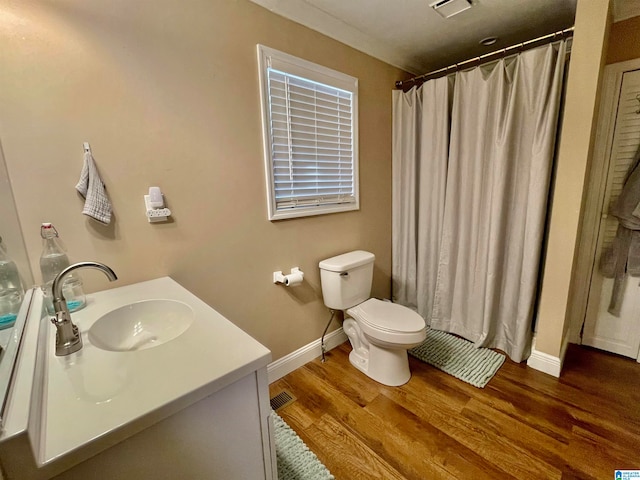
593,19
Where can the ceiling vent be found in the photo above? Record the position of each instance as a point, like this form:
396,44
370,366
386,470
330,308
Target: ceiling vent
449,8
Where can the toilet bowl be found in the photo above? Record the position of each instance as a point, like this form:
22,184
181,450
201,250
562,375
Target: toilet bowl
384,332
380,332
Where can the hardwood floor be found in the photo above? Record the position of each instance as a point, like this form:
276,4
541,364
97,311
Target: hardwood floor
524,424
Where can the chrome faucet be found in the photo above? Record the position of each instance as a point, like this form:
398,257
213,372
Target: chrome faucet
68,339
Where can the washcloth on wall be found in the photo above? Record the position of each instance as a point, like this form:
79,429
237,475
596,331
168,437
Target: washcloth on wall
90,186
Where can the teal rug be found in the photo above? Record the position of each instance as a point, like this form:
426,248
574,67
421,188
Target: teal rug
295,460
459,358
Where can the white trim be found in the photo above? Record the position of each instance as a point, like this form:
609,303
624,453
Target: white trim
269,58
546,363
311,351
292,65
315,18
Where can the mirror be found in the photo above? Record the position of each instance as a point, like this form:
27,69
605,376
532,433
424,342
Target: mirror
12,238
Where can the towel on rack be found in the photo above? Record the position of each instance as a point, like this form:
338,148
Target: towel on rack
90,186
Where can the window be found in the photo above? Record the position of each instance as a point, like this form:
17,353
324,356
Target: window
310,136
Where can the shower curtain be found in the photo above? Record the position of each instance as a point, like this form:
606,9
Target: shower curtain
420,151
469,220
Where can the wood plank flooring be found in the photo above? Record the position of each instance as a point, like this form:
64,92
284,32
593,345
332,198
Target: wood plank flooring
523,425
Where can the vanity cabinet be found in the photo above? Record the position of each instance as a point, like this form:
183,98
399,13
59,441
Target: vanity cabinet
194,408
223,436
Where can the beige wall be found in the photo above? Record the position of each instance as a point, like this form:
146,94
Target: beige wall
167,94
576,144
624,41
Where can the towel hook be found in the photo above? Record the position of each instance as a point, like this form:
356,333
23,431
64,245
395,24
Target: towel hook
86,147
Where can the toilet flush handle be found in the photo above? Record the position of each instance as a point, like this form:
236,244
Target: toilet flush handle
344,274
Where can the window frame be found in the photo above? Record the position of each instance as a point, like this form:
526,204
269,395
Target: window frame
309,71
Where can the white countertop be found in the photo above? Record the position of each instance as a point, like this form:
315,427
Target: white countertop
98,397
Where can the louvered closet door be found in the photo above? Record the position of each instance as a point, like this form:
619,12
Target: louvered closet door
601,329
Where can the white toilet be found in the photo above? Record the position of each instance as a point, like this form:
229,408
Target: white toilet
380,332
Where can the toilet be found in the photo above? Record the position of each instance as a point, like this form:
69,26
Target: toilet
380,332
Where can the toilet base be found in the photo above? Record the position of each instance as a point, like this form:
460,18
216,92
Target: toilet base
388,366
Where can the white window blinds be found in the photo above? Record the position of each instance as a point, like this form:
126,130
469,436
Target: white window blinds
309,138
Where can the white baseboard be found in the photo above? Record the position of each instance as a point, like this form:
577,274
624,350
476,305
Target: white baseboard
288,363
546,363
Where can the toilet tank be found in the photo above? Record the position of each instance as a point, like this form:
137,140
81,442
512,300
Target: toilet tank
346,279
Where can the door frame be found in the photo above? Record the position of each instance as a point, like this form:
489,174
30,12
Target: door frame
585,261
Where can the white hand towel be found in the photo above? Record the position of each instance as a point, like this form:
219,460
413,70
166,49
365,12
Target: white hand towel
90,186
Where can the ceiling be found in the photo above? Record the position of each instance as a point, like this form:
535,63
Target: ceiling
411,35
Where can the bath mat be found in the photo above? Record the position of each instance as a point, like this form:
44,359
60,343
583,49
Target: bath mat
295,460
459,357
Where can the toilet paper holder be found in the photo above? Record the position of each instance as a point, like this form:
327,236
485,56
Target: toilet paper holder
294,278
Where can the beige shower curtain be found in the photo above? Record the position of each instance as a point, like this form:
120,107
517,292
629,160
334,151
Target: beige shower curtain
420,151
503,130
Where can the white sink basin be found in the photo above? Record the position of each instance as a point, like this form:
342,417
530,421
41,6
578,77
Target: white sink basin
141,325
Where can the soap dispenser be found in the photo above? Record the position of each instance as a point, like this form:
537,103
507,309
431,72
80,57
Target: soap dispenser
52,261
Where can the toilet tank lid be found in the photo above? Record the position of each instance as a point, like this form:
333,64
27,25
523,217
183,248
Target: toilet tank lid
347,261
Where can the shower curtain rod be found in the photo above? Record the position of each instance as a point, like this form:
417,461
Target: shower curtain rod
566,33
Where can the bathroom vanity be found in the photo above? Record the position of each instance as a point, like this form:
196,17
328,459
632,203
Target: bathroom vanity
186,400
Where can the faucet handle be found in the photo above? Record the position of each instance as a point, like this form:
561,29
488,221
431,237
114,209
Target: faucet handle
60,317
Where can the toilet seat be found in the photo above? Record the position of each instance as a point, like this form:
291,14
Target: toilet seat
389,322
387,316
